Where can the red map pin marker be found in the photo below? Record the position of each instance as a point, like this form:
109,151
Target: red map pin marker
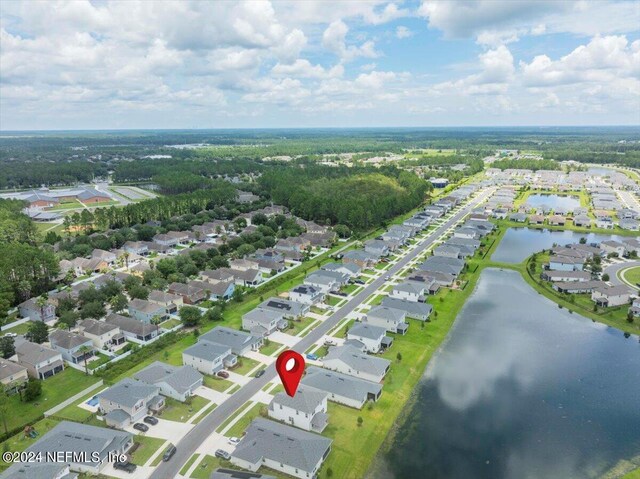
290,366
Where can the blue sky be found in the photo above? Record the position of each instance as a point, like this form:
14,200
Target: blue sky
110,65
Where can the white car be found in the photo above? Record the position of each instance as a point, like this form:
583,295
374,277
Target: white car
11,335
234,441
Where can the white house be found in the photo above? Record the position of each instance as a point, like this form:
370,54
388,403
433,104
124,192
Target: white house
306,410
409,290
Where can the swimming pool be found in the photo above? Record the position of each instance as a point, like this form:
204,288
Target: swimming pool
93,401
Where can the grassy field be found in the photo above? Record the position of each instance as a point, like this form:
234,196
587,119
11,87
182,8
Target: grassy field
19,329
147,446
182,411
298,326
169,323
270,348
632,275
54,390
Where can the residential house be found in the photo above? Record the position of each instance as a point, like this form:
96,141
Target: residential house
13,376
136,247
439,264
132,328
326,281
609,296
557,220
41,362
393,320
209,357
177,382
577,287
282,448
190,294
219,290
448,251
359,257
373,338
579,276
342,388
289,308
409,290
566,263
376,247
351,361
536,219
106,256
103,335
306,410
262,322
420,311
247,277
84,441
306,294
239,342
350,269
170,302
146,311
30,309
128,401
613,247
73,347
38,470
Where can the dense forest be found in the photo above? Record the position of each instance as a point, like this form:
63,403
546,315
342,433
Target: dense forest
357,197
533,165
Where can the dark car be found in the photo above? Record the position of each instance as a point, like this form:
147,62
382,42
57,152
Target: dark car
260,373
151,420
223,454
222,374
168,454
125,466
359,281
141,427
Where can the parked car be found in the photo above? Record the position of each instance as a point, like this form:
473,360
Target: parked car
359,281
141,427
222,454
125,466
387,278
222,374
151,420
260,373
11,335
330,342
313,357
340,293
168,454
234,441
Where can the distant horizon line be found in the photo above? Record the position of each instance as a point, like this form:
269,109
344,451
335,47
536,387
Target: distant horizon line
449,127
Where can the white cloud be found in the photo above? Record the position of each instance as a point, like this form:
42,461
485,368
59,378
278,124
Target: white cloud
334,40
403,32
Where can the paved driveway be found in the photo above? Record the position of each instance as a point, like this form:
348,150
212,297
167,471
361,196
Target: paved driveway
188,445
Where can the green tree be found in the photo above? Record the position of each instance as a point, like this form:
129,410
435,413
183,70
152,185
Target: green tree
94,309
190,315
360,421
7,347
38,332
33,390
605,277
85,350
118,303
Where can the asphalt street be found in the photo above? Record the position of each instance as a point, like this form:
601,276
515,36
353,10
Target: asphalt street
190,442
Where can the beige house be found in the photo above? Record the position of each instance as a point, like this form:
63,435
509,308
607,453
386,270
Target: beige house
12,376
103,335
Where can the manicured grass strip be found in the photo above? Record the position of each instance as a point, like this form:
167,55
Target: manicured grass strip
210,408
187,464
216,383
297,326
182,411
230,418
207,465
308,330
632,275
238,428
233,389
147,446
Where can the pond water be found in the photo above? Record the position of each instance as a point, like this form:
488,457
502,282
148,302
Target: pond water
520,389
520,243
553,201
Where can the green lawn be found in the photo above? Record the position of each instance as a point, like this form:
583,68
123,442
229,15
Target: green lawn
54,390
333,300
298,326
245,365
207,465
170,323
350,288
315,309
182,411
377,299
209,408
239,427
187,464
216,383
270,348
19,329
632,275
101,359
147,446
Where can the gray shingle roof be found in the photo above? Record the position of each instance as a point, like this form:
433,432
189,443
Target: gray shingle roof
411,308
131,325
357,360
71,436
340,384
207,350
367,331
305,400
34,470
236,340
32,353
9,368
180,378
67,340
97,328
128,392
280,443
386,313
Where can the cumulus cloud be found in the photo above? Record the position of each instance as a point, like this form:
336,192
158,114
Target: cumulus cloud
403,32
334,40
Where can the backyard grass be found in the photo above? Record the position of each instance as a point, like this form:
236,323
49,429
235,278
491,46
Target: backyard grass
350,288
333,300
19,329
270,348
55,390
216,383
169,323
147,446
101,359
245,365
239,427
182,411
315,309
